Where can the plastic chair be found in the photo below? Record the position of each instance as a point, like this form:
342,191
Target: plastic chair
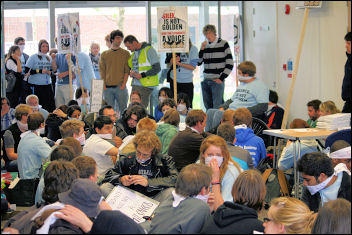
258,127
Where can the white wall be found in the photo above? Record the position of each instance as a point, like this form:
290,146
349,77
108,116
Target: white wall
321,66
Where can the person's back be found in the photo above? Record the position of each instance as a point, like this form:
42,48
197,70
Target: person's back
241,156
247,140
182,212
167,130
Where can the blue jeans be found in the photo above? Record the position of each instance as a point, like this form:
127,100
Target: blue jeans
214,117
115,94
213,94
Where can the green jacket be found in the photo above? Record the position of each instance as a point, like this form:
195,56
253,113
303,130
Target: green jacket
165,132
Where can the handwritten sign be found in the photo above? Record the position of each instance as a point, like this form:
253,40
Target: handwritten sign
96,95
68,40
133,204
173,34
308,4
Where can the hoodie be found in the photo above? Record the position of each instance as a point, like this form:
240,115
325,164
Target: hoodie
165,132
246,139
233,218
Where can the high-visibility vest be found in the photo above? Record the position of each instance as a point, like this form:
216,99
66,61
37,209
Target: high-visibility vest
144,66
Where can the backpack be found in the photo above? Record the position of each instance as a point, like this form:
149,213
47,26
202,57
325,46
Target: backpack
276,185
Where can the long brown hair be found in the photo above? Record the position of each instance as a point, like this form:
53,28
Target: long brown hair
221,143
12,50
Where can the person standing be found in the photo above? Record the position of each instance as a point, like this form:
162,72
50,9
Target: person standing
13,65
216,55
39,68
95,57
145,66
114,70
25,90
346,84
185,65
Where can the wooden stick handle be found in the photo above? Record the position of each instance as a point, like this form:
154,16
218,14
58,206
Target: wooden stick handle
175,79
81,82
295,68
70,74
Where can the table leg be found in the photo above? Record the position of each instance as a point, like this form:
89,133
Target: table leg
274,159
295,167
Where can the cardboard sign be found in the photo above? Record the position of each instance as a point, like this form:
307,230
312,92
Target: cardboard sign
68,39
308,4
133,204
96,95
173,34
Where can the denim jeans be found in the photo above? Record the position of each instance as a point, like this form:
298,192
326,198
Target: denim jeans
213,94
115,94
214,117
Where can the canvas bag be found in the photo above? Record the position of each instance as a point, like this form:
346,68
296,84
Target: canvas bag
276,185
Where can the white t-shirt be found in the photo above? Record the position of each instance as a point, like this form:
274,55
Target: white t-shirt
97,148
11,65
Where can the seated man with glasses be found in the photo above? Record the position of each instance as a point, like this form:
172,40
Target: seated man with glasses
126,125
146,171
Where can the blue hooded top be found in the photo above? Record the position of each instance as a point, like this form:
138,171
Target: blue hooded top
246,139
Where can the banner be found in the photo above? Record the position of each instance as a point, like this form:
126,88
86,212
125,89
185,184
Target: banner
68,35
173,34
133,204
237,35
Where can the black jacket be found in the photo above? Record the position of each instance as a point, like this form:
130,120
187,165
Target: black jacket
313,201
52,124
233,218
123,130
163,169
346,84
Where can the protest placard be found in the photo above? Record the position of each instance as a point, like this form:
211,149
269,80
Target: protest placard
173,34
96,95
68,33
133,204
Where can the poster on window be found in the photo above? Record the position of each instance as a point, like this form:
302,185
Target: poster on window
173,34
68,35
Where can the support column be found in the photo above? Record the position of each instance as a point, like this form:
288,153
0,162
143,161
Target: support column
51,31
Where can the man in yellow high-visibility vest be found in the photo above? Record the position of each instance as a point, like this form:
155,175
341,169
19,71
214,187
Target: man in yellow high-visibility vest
145,66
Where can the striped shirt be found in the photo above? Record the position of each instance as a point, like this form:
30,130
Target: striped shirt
218,62
7,119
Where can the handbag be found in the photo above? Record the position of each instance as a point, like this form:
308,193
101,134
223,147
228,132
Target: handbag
10,81
23,194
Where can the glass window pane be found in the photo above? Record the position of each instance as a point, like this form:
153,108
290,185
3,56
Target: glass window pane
96,23
31,24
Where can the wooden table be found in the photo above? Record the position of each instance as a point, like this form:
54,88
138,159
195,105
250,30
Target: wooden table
296,135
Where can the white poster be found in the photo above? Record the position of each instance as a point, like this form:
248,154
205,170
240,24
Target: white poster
133,204
96,95
68,35
173,34
237,36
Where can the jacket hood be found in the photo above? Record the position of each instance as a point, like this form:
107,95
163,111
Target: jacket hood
244,134
229,213
162,128
145,44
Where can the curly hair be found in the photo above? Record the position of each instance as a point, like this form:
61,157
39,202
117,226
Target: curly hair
148,140
58,177
314,164
146,124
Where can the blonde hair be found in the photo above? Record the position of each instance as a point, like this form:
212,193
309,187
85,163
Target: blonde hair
146,124
293,214
221,143
329,106
70,127
147,139
22,110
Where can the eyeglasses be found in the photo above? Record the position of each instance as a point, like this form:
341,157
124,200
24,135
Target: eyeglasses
267,220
